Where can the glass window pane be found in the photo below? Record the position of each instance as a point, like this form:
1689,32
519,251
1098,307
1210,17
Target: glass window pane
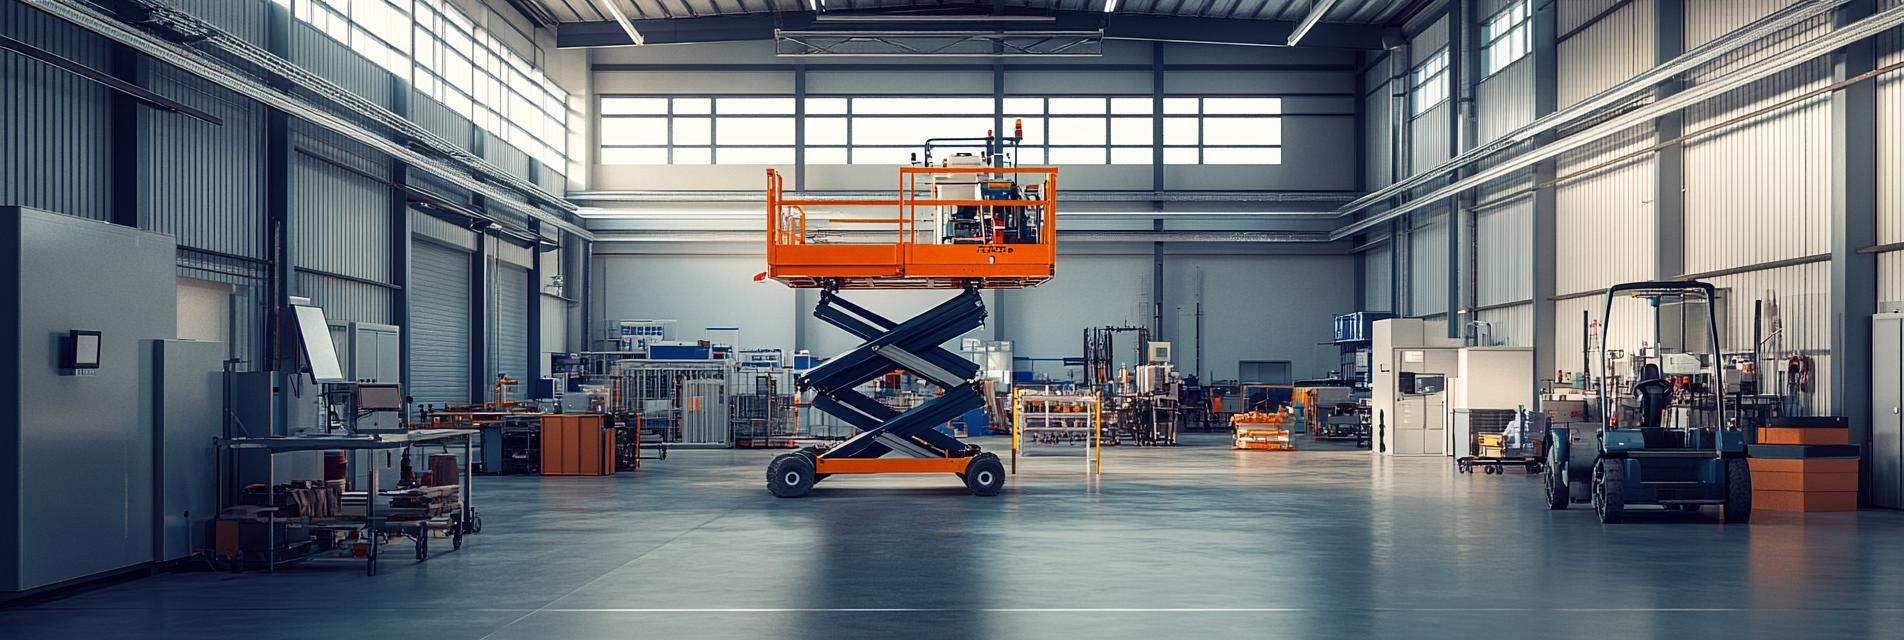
1242,155
1243,106
914,131
1034,131
1077,130
826,156
1031,157
619,131
693,155
879,155
754,131
694,105
1130,155
1243,131
826,105
1135,106
826,131
1180,131
1087,106
1131,131
1180,105
922,106
634,156
1076,156
1180,155
770,106
1015,107
746,155
696,131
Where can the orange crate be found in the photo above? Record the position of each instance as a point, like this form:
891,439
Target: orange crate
1805,501
577,445
1793,481
1789,435
1809,465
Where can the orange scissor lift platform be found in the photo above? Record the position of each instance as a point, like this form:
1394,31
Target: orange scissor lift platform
1014,248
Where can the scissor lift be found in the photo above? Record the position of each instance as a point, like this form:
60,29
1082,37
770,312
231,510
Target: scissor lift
1015,250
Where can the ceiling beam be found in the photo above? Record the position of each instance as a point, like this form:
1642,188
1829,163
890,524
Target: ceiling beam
1117,26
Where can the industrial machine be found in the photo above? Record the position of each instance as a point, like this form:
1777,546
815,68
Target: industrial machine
986,224
1263,430
1143,399
1691,460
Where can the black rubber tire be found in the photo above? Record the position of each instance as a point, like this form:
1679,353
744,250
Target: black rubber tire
1609,490
985,475
790,475
422,543
1556,486
1534,467
1464,466
1738,504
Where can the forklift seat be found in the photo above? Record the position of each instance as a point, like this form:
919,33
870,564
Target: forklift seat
1654,393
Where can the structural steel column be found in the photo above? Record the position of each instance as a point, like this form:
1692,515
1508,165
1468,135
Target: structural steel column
1546,101
1463,71
1854,204
1669,195
533,341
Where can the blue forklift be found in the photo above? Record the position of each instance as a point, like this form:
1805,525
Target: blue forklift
1678,466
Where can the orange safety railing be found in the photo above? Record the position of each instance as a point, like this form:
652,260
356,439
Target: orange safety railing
799,256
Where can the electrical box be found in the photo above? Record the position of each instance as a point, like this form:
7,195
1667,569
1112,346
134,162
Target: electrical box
1157,353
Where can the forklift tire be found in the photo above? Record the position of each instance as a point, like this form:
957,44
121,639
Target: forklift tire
790,475
985,475
1738,504
1609,490
422,543
1557,496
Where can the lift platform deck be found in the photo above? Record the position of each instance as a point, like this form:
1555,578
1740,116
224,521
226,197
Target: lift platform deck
964,228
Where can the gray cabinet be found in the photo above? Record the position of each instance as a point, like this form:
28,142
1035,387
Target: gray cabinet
1887,410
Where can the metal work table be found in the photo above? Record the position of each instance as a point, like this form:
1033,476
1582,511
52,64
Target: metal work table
373,527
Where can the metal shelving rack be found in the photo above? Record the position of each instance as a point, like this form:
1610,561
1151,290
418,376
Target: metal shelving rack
1050,419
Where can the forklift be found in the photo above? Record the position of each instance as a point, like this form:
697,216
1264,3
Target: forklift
1675,466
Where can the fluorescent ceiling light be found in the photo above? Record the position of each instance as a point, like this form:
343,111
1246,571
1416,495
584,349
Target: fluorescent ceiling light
1316,11
623,20
1110,6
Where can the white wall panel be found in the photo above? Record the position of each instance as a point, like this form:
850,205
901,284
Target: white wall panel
1255,327
1760,190
1604,215
1632,327
1706,20
1377,117
1430,139
1504,251
1802,294
1431,39
697,291
1614,49
1574,13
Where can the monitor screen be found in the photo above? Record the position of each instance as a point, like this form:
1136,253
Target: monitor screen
318,348
379,397
85,350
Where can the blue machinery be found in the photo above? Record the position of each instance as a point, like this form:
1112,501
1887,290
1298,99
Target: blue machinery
911,437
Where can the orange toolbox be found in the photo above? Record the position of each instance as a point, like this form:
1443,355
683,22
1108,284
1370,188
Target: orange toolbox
1810,477
1795,435
577,445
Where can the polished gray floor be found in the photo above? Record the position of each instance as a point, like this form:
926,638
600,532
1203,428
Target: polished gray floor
1197,541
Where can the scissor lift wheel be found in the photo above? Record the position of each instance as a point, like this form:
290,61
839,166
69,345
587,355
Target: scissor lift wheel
790,475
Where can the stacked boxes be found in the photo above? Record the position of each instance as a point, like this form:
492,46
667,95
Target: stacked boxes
1804,464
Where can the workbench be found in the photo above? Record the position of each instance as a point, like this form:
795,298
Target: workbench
463,522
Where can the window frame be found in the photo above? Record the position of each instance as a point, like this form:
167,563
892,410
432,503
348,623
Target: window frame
1438,78
1518,28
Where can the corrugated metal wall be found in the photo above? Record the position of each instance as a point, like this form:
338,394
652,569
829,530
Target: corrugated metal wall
1706,20
1760,190
1612,50
1378,285
340,224
1513,326
1504,101
442,121
1891,167
440,323
509,342
246,19
502,154
1430,139
1574,13
57,127
1504,244
1428,262
1803,297
1377,139
319,54
1604,222
1632,326
199,182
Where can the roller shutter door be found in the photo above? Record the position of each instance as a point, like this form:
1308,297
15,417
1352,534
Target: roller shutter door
511,352
439,324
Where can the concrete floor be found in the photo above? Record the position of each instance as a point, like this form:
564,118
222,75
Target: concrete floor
1197,541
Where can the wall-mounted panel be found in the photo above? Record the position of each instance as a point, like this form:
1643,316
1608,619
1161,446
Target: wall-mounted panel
1607,53
199,182
1604,209
56,126
1759,189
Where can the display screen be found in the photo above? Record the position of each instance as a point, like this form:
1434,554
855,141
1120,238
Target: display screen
318,350
85,350
379,397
